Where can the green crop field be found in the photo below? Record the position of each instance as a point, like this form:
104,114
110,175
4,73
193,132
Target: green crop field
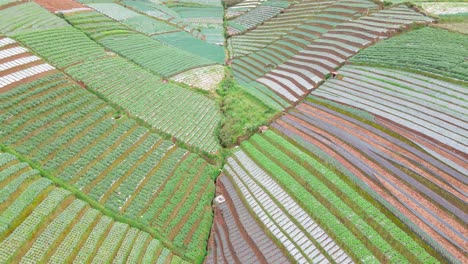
237,131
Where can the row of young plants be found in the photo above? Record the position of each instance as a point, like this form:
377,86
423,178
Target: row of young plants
234,225
63,46
149,186
420,50
68,226
378,248
275,144
358,164
151,54
316,209
96,25
27,17
147,52
164,13
396,100
66,46
14,210
12,243
279,51
211,31
67,250
96,158
181,203
275,27
111,242
187,116
52,233
272,149
289,223
305,62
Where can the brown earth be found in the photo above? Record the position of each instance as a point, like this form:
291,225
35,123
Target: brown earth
393,151
226,240
392,195
27,80
381,191
380,170
58,5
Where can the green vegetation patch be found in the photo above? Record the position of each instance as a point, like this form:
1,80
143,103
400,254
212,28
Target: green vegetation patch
186,42
421,50
243,113
27,17
148,25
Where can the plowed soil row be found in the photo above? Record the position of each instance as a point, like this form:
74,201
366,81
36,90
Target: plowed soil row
366,154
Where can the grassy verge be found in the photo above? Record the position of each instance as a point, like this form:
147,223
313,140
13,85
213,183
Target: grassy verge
242,113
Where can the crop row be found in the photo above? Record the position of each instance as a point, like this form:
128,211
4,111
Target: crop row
228,238
96,25
18,62
62,228
236,218
67,46
63,47
349,193
255,17
302,72
420,50
115,161
23,200
157,57
51,234
11,244
256,64
327,197
186,42
322,212
385,162
139,22
396,100
27,17
275,28
162,12
297,225
237,8
151,54
174,205
187,116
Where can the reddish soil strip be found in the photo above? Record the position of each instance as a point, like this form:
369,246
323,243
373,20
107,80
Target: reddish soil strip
27,80
14,57
12,4
148,176
57,5
20,67
442,149
188,198
390,152
327,147
232,238
378,168
378,188
388,148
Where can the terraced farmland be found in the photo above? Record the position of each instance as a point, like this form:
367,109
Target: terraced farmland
236,131
40,221
70,49
110,158
420,49
294,75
